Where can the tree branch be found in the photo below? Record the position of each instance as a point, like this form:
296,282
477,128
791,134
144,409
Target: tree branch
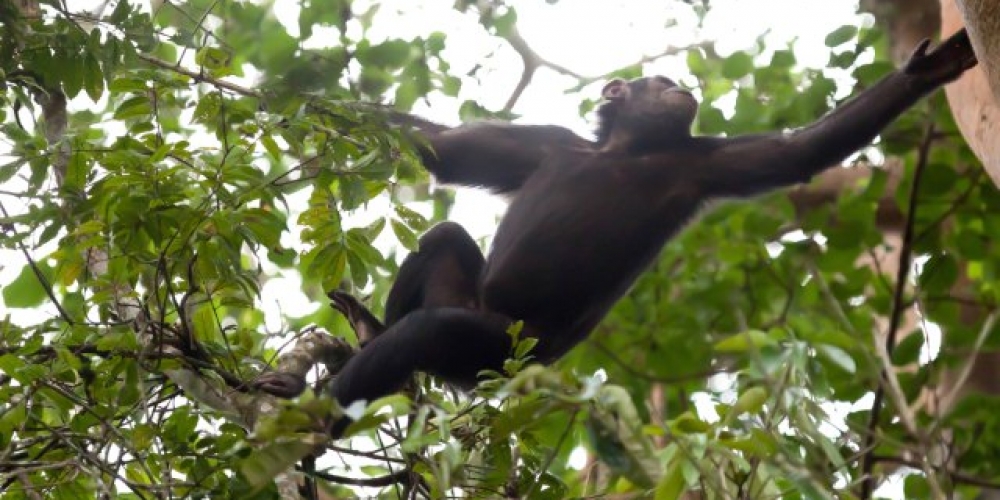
199,77
532,60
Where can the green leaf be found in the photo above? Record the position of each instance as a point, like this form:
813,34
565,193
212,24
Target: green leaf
212,58
125,84
411,218
615,430
12,365
689,423
868,74
838,357
265,225
271,146
374,81
93,79
751,401
404,235
266,462
939,273
841,36
390,54
741,342
8,170
760,444
908,349
736,66
329,265
72,71
208,108
524,347
783,59
25,291
133,107
672,484
205,323
450,86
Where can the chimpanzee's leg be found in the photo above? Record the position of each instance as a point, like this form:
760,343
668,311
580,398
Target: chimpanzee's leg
432,323
452,343
442,275
443,272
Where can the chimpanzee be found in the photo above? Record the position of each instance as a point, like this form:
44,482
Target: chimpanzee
585,219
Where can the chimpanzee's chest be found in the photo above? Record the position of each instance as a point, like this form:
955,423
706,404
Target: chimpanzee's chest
600,193
581,233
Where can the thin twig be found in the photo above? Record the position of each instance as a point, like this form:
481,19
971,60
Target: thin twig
948,399
201,77
956,477
902,275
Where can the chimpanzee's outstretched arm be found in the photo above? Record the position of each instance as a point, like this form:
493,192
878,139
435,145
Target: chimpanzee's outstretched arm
749,165
495,155
452,343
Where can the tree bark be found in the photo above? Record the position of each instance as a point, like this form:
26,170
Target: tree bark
975,97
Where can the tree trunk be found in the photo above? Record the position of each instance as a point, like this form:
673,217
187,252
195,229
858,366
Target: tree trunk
975,97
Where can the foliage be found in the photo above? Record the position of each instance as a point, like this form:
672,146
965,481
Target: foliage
153,212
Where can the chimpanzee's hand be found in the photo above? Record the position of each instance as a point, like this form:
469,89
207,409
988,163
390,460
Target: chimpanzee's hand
282,385
943,64
347,305
366,326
